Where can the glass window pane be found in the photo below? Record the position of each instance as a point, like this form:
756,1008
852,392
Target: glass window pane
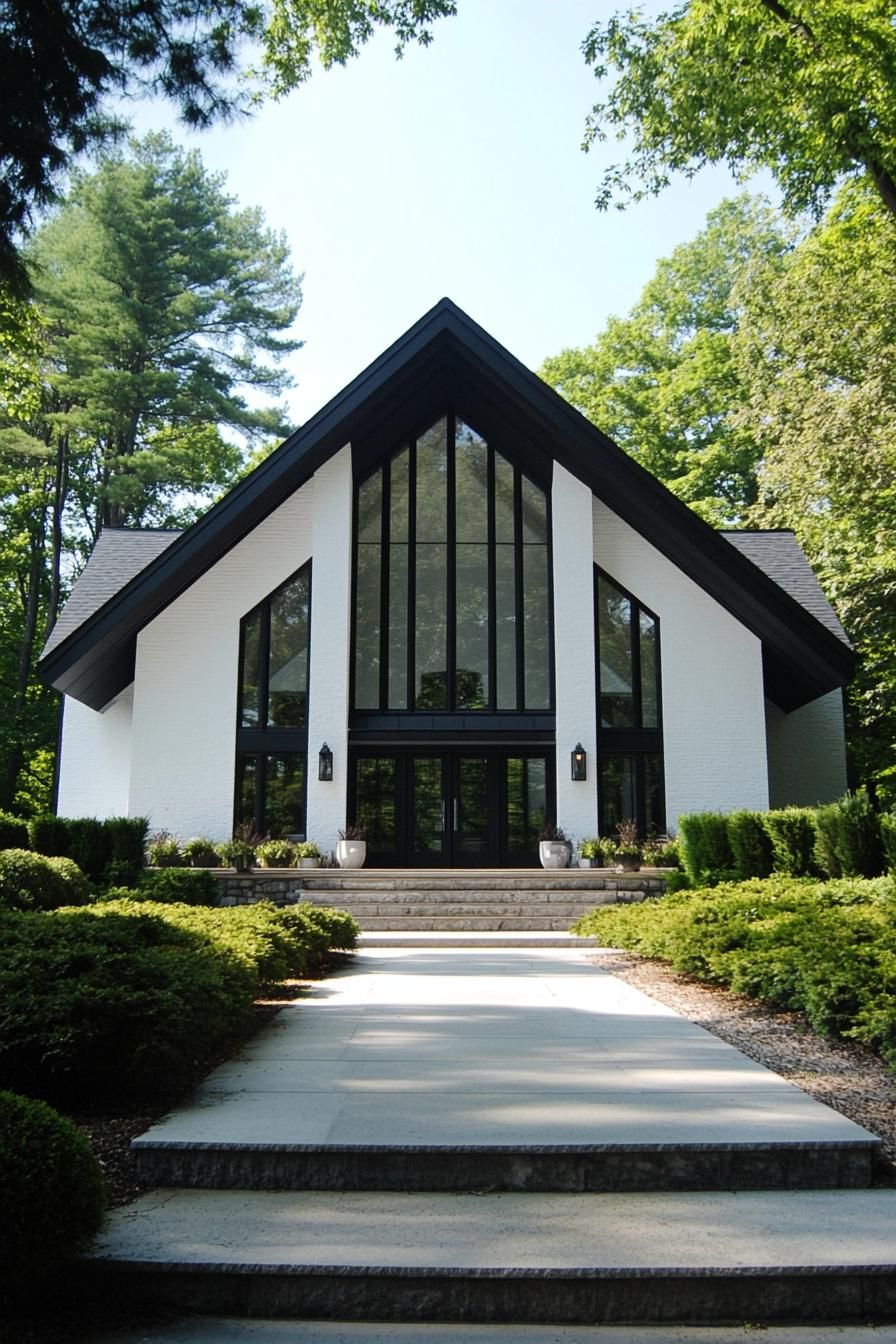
649,679
536,633
471,688
617,792
470,484
249,688
505,626
398,497
472,805
288,677
654,799
526,801
367,629
615,643
431,644
398,627
246,772
504,524
535,513
375,793
284,794
432,484
428,810
370,508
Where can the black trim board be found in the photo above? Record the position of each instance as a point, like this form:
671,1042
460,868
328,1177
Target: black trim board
447,352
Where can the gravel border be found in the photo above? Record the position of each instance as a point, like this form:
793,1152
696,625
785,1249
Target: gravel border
847,1077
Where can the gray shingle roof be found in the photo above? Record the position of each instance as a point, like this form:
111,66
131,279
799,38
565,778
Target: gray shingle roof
119,554
779,555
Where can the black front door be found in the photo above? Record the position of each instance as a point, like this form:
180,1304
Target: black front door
463,808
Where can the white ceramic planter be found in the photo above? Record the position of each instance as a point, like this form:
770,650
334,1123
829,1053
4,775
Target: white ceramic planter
553,853
351,853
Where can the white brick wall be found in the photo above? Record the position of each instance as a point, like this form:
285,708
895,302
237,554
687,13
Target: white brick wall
185,701
571,509
95,761
806,752
331,590
713,705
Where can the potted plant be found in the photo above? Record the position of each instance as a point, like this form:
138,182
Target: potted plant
308,854
201,853
628,846
553,846
163,851
589,852
240,851
277,853
351,847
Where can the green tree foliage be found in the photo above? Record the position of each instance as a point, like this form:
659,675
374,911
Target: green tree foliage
662,380
803,88
63,59
131,386
817,359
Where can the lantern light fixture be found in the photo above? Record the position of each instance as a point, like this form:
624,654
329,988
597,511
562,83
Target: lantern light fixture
325,764
578,757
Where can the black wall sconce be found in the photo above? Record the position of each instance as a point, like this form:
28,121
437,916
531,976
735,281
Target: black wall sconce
578,758
325,764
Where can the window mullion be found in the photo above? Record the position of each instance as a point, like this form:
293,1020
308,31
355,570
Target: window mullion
412,576
451,585
264,664
492,585
518,577
385,570
637,712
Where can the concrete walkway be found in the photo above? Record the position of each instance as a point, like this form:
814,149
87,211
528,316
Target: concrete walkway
526,1047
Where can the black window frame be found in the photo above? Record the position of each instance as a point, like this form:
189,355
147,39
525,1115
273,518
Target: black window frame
636,741
262,741
489,711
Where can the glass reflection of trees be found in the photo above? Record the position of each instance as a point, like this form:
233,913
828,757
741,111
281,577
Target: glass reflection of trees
452,597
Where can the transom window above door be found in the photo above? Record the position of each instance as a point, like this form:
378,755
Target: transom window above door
452,580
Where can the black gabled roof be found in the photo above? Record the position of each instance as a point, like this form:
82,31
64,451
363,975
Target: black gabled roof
447,358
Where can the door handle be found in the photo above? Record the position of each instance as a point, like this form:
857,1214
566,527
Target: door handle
442,817
455,814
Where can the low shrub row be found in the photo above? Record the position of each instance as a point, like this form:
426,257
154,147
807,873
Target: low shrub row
106,851
825,949
129,999
847,838
33,882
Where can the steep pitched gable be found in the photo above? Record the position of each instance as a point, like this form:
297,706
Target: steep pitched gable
446,358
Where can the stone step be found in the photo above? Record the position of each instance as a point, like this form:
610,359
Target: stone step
465,923
607,1167
558,903
458,880
819,1256
483,938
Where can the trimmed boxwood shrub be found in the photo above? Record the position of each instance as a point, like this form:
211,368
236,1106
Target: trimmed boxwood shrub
706,852
53,1193
190,886
849,837
127,849
124,1000
90,846
750,843
49,835
13,832
792,833
33,882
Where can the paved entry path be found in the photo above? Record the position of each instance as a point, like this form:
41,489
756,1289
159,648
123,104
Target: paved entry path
433,1046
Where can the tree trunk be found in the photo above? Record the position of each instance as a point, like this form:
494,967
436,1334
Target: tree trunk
26,653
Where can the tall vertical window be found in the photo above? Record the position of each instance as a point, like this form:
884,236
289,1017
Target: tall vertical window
452,580
272,728
630,746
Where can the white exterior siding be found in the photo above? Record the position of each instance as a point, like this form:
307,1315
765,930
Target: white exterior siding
711,668
331,593
574,650
95,759
806,753
185,702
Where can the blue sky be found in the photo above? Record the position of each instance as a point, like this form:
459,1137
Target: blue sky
457,170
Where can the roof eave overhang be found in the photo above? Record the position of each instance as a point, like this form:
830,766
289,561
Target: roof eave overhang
802,658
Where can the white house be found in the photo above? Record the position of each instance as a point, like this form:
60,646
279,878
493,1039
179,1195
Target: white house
452,579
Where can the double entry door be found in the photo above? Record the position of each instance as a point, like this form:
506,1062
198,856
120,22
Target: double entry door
459,808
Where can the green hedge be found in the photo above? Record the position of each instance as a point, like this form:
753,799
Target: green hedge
705,847
13,832
825,949
53,1193
33,882
107,851
124,1000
